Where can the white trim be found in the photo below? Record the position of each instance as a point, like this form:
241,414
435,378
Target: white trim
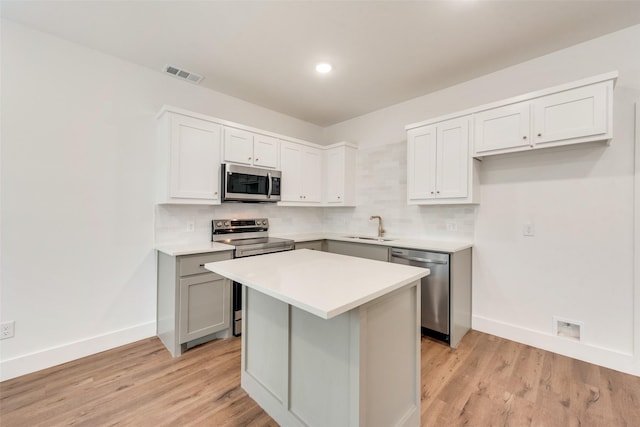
53,356
636,242
617,360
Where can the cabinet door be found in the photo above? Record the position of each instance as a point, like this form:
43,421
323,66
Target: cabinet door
312,175
265,151
575,113
290,164
195,159
421,163
502,128
452,168
360,250
335,175
205,306
238,146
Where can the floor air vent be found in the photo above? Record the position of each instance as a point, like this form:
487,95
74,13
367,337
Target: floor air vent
182,74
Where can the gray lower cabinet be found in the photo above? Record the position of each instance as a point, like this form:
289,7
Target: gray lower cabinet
194,304
362,250
316,245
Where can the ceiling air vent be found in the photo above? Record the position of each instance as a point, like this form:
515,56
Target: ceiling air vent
182,74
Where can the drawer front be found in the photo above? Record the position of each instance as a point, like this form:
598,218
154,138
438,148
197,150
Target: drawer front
194,264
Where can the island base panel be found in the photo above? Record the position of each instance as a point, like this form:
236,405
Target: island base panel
361,368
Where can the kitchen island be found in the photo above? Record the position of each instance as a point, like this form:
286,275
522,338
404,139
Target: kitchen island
330,340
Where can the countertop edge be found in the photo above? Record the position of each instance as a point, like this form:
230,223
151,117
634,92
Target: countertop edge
219,268
418,244
193,249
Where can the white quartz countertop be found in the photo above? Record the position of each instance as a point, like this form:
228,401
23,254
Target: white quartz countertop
420,244
320,283
193,248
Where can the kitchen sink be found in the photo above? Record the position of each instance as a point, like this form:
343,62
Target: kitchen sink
375,239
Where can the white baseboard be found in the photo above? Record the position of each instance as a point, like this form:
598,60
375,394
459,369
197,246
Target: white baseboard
53,356
619,361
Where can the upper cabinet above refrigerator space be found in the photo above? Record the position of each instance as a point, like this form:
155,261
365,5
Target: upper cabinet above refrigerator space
574,113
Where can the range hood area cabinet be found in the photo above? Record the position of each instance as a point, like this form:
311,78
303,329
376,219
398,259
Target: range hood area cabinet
574,113
188,159
440,169
251,149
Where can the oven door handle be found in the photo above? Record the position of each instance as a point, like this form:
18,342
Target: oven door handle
269,184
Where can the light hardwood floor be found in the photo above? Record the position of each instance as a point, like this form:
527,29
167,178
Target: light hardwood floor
486,381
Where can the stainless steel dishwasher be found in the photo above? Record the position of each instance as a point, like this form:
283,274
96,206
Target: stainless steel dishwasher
434,289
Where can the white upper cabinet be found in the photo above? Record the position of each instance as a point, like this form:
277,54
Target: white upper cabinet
421,164
571,114
266,151
189,160
502,128
301,167
439,167
340,175
452,159
248,148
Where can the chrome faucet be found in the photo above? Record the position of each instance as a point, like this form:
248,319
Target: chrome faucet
380,229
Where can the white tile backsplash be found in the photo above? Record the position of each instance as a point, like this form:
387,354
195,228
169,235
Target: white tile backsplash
171,220
381,190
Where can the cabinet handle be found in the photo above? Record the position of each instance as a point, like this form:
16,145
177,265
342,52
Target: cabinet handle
338,197
524,137
432,192
257,159
215,194
201,265
437,192
539,134
249,158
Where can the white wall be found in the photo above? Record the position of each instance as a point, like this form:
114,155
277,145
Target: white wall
580,263
77,176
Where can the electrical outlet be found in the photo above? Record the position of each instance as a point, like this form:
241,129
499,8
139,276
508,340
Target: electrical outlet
7,329
191,226
452,226
528,230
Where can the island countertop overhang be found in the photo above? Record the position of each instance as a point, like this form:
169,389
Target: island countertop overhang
320,283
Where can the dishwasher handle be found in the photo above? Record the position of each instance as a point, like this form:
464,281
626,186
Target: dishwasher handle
417,259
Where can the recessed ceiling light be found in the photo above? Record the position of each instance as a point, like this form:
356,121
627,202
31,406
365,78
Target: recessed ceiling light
323,67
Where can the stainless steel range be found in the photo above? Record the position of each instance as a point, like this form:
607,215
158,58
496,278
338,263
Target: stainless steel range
249,237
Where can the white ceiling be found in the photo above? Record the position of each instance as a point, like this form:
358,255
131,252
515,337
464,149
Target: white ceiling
383,52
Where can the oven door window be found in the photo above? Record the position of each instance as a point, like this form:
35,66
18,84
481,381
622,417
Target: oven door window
241,183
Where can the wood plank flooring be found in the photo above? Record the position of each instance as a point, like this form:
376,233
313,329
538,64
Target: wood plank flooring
486,381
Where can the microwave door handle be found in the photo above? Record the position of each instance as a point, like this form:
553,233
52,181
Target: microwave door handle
269,184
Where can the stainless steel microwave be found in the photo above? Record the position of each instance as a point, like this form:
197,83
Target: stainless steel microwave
249,184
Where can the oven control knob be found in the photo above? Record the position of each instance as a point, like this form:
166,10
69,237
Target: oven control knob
219,224
264,222
226,223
